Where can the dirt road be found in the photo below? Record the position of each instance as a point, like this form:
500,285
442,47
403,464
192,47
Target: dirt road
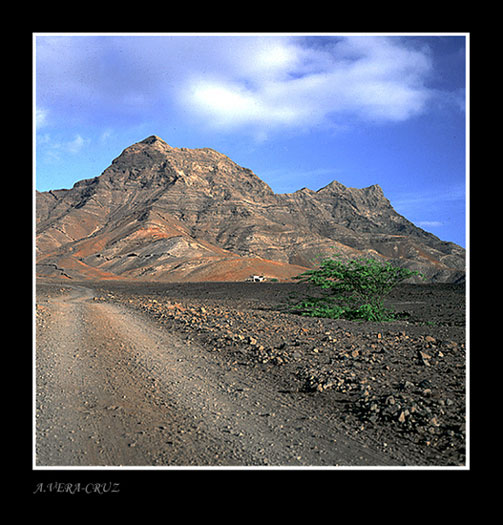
115,388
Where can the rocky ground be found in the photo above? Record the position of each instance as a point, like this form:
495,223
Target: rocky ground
398,386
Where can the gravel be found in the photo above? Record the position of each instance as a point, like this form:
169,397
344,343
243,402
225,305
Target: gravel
398,386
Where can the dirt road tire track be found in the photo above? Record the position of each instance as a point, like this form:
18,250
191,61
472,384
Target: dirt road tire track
115,388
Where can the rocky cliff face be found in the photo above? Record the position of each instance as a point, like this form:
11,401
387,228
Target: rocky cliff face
165,213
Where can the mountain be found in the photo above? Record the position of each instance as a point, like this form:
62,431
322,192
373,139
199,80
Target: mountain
178,214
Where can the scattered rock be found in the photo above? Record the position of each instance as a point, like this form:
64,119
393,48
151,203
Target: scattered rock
400,384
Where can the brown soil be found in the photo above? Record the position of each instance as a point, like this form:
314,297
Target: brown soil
218,374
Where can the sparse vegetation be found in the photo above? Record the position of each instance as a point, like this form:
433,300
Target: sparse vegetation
352,290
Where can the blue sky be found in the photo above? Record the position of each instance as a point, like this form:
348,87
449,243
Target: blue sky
297,109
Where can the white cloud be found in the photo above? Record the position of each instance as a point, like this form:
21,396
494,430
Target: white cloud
106,135
54,150
75,145
40,117
430,224
411,203
231,105
290,84
419,205
256,83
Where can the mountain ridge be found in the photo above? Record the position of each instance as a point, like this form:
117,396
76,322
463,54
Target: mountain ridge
164,213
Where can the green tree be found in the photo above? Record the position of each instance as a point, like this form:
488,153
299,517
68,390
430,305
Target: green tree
352,290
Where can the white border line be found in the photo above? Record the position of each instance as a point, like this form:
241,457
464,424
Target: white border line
467,242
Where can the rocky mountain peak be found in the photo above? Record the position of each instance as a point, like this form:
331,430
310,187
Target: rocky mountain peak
152,140
153,163
159,212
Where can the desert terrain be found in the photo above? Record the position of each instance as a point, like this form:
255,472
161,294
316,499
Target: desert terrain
221,374
152,350
166,214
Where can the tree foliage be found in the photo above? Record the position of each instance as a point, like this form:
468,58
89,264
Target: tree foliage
353,290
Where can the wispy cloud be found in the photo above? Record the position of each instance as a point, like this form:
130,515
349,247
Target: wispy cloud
433,209
228,83
299,83
430,224
41,117
54,149
106,135
414,202
75,145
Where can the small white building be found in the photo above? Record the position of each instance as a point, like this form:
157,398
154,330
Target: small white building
256,278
